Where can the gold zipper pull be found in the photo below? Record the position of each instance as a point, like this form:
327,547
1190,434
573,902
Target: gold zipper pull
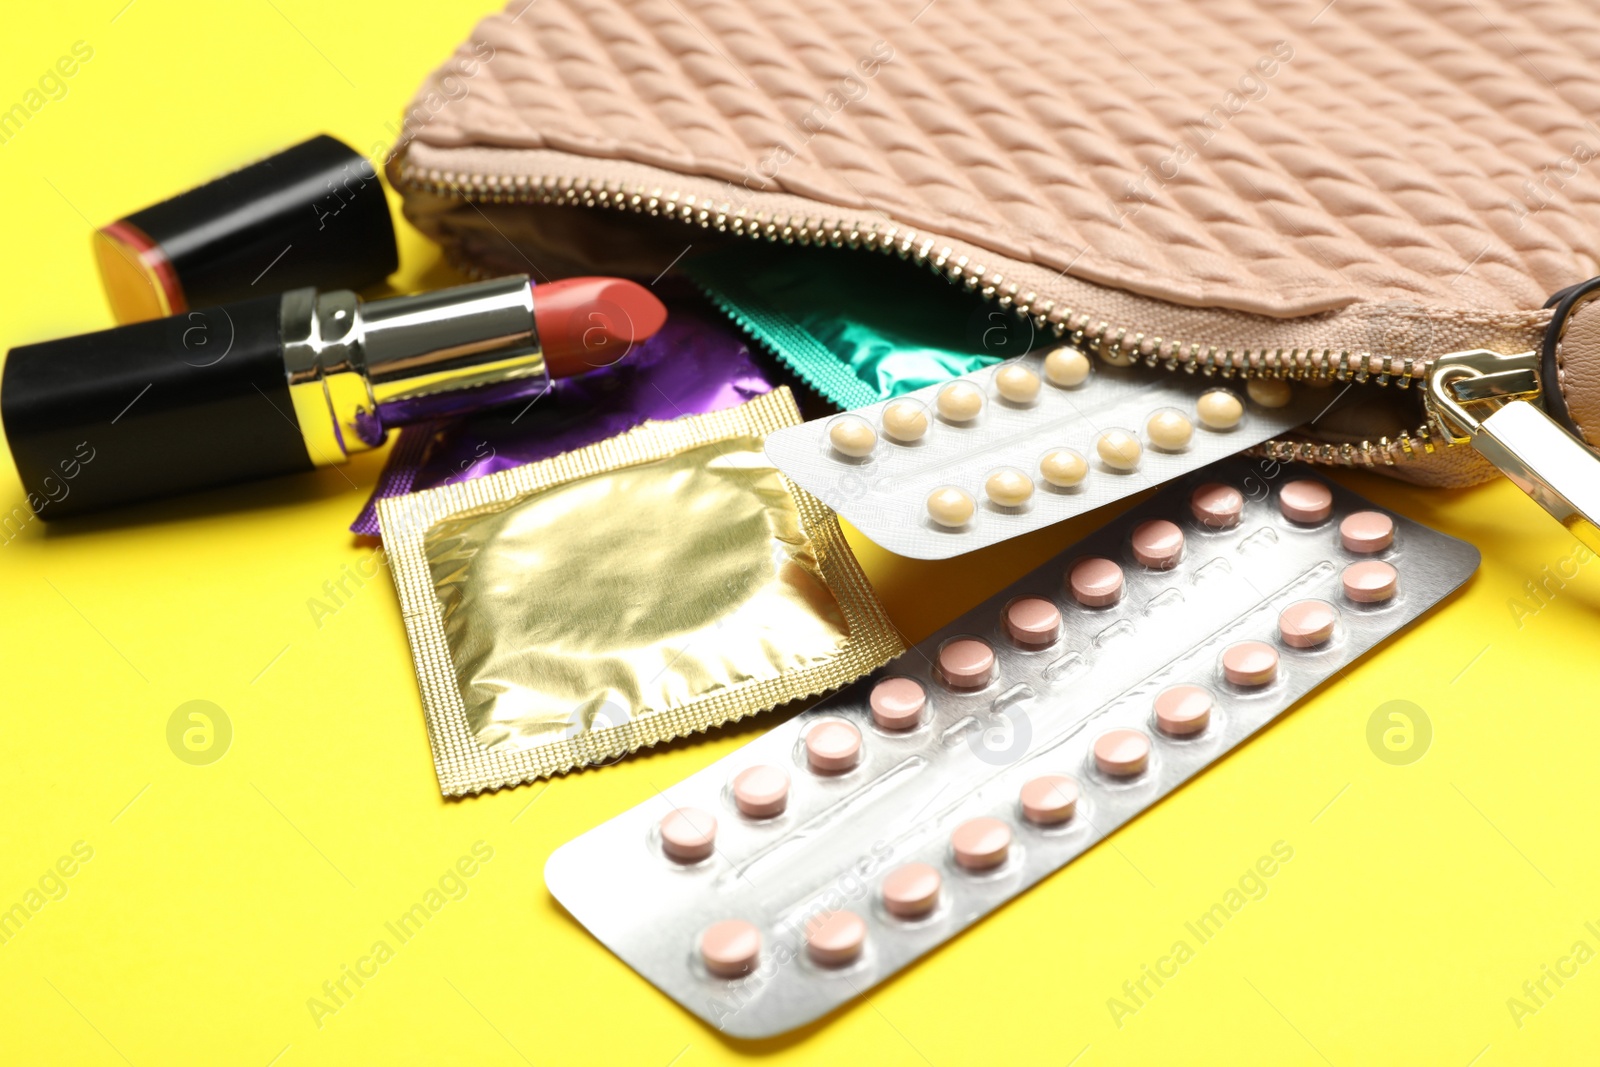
1491,401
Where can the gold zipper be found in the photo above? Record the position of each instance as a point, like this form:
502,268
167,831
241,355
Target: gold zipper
1491,401
1115,344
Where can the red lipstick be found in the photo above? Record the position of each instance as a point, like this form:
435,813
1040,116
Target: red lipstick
286,383
588,323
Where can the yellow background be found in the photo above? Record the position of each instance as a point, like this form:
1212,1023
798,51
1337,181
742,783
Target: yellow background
220,898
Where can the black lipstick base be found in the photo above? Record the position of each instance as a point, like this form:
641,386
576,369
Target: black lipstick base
163,407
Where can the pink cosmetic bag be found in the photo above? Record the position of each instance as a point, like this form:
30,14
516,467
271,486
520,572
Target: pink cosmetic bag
1402,197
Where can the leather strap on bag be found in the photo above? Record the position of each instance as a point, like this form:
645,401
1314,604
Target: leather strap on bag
1571,359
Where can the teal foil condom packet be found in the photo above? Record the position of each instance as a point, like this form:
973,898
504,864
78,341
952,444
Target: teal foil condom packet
857,327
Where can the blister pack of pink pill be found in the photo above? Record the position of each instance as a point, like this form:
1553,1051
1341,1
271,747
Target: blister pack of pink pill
802,869
1012,448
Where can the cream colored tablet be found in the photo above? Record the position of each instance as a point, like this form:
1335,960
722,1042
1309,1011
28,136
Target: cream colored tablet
1008,487
1063,468
1119,450
960,402
949,506
1017,383
1066,366
851,436
1219,410
1268,392
905,421
1169,430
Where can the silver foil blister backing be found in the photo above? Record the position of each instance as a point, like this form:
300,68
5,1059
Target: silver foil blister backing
884,494
841,834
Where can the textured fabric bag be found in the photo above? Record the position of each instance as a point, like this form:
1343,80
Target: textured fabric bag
1347,189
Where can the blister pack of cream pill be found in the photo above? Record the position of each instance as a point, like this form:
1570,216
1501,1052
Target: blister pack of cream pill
1011,448
814,862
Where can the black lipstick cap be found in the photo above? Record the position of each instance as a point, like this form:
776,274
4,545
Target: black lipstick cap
314,214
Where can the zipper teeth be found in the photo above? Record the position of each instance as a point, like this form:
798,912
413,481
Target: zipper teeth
1116,344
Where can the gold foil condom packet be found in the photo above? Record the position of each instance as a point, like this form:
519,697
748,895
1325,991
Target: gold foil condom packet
650,586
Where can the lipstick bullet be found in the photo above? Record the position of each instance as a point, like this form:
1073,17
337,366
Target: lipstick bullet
287,383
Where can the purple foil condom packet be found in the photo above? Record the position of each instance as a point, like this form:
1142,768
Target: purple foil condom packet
696,363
